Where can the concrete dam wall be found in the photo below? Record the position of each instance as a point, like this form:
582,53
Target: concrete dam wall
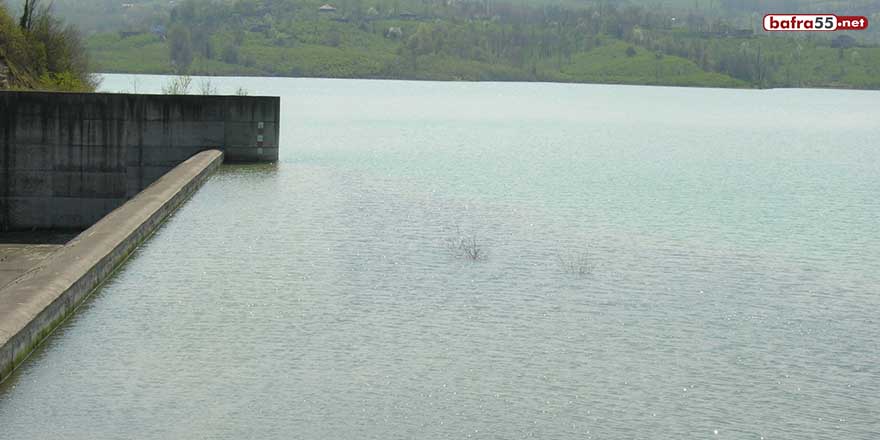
36,302
68,159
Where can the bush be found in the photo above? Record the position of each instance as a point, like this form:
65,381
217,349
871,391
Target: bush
207,87
576,263
466,246
178,85
45,54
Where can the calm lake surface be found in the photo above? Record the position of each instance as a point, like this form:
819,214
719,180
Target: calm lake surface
732,241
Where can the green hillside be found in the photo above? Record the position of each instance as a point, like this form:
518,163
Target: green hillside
666,42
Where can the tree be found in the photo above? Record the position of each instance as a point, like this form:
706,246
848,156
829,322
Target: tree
333,38
230,54
180,45
27,16
843,42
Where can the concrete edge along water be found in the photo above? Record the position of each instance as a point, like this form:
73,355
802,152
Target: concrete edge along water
36,303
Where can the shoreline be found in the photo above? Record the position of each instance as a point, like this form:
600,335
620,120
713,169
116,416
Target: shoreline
330,78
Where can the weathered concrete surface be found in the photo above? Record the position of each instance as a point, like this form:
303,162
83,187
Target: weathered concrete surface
67,159
16,259
4,74
35,303
59,236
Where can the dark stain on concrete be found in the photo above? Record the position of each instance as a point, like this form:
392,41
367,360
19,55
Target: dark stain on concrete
70,158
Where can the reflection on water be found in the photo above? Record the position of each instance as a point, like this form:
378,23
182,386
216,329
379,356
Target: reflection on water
731,240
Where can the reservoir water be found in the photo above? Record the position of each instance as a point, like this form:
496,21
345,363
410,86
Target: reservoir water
659,263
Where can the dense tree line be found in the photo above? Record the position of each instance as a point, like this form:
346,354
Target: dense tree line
534,36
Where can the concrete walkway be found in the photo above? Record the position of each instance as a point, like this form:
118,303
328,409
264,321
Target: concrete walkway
17,259
36,301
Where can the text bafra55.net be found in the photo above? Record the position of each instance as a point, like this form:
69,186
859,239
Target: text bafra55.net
814,22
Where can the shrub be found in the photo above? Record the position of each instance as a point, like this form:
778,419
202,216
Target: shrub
207,87
576,263
466,246
178,85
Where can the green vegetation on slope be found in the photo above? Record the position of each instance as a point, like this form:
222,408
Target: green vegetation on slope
38,52
611,64
475,40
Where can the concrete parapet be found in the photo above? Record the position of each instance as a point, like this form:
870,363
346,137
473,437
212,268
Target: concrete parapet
35,303
60,149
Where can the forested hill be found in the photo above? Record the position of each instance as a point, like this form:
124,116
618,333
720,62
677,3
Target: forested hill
679,42
38,51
